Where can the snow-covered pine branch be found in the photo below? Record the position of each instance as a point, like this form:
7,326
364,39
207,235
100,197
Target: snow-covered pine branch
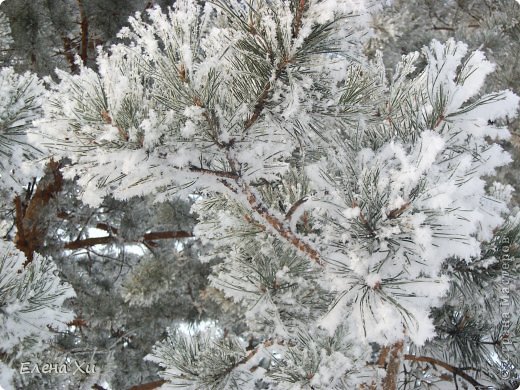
31,312
258,105
31,292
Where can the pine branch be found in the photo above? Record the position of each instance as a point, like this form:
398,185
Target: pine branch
390,360
452,369
297,23
274,222
262,99
229,175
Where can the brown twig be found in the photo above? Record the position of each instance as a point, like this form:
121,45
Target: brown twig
297,23
392,367
84,32
262,99
398,211
283,230
148,386
229,175
293,208
439,121
452,369
69,55
88,242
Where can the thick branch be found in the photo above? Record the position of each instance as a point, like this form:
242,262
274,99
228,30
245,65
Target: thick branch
88,242
453,370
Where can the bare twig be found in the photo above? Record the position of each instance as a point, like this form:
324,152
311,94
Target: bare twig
84,32
88,242
452,369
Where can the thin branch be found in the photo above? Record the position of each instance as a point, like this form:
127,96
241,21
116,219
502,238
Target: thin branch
69,55
88,242
167,235
229,175
262,99
297,23
107,228
281,228
443,28
364,221
398,211
392,368
439,121
84,32
294,207
452,369
149,386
